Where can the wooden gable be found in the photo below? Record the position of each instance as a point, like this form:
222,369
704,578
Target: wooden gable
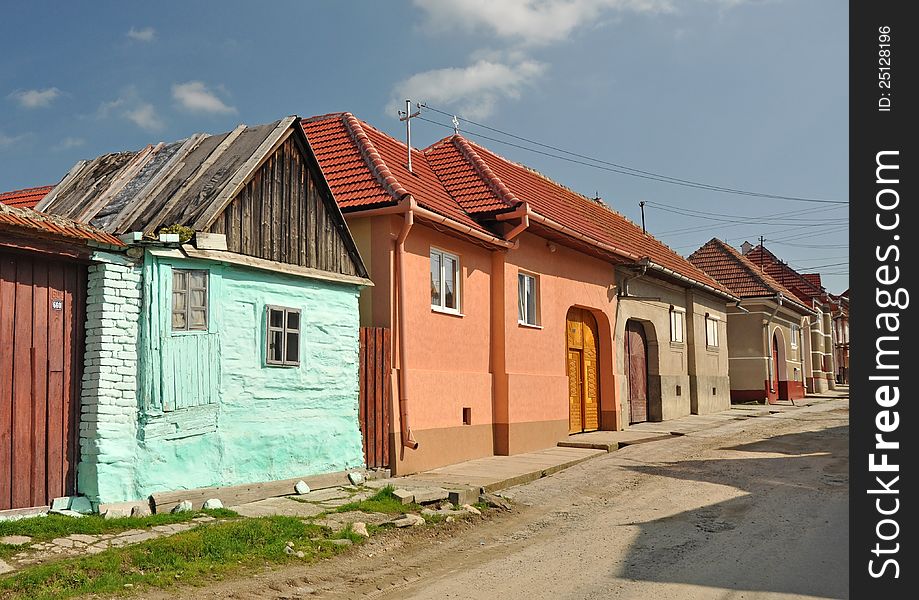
286,213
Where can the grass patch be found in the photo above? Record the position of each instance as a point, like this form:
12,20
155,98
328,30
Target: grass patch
382,502
51,526
209,551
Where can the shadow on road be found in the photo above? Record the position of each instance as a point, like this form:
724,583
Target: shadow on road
786,531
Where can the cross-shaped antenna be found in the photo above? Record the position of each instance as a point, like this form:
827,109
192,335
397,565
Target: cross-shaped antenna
407,116
455,125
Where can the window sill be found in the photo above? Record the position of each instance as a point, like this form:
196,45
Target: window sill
528,325
678,345
447,311
713,349
282,365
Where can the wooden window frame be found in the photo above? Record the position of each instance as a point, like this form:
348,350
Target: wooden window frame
708,338
521,319
187,292
682,337
795,333
457,276
284,330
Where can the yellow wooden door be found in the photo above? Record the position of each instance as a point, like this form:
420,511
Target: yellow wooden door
591,381
574,391
583,379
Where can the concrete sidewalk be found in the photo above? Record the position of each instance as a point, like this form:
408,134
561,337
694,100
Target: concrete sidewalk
493,473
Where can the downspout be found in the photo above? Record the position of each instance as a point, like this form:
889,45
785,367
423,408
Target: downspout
643,268
523,213
408,440
767,341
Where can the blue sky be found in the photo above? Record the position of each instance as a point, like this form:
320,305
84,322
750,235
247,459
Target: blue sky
746,94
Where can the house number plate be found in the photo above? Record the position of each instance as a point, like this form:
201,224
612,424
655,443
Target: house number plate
57,304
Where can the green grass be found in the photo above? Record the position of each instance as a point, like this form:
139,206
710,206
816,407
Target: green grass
206,552
42,529
382,502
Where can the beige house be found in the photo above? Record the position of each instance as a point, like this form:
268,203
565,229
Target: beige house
820,370
766,346
671,345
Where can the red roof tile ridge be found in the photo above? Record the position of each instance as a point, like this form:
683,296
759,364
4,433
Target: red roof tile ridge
372,157
493,182
325,117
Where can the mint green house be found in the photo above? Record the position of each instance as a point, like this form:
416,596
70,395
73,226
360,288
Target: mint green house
222,345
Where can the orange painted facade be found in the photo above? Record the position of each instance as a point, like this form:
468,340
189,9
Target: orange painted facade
511,376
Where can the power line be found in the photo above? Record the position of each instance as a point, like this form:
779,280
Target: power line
750,221
615,167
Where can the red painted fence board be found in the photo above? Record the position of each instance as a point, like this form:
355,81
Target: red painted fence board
41,350
375,396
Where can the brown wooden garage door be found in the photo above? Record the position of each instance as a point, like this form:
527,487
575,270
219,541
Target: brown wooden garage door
41,342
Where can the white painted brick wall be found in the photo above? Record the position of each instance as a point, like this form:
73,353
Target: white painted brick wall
108,420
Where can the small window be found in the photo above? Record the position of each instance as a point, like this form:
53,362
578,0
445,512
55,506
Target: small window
711,331
677,318
283,339
445,279
527,299
795,332
189,300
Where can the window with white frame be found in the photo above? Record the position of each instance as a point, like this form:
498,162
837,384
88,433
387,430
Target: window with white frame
527,299
445,281
795,333
282,336
189,300
711,331
677,324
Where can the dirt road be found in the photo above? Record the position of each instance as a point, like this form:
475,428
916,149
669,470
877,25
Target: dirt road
757,508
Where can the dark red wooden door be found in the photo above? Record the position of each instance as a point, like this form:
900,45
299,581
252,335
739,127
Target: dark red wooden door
775,364
637,364
41,349
374,407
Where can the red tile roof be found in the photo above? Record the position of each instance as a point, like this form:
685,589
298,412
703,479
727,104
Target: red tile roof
510,181
26,218
26,198
737,273
367,168
469,184
801,286
814,278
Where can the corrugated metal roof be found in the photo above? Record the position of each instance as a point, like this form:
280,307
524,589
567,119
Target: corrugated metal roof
177,183
28,219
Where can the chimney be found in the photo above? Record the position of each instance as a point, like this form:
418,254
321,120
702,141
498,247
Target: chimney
746,247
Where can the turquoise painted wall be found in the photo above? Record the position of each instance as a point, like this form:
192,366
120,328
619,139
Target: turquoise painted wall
211,412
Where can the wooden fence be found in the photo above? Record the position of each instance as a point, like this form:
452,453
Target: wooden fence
375,398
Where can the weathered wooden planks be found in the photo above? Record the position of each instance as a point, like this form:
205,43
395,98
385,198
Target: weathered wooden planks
375,402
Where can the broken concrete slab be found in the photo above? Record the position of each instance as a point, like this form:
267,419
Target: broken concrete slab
324,495
408,520
15,540
278,506
428,495
404,496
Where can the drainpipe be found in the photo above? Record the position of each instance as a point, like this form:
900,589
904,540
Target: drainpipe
768,342
409,205
642,269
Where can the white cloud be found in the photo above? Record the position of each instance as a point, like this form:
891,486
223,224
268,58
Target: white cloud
9,140
69,142
529,22
36,98
194,96
474,90
144,116
147,34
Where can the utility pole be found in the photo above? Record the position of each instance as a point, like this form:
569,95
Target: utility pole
642,205
407,116
762,252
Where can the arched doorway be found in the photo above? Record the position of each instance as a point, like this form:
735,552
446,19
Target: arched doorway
636,368
779,383
583,377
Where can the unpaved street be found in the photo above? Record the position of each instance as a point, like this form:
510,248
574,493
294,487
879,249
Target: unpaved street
757,508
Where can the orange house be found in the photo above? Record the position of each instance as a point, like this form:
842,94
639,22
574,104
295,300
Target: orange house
499,286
